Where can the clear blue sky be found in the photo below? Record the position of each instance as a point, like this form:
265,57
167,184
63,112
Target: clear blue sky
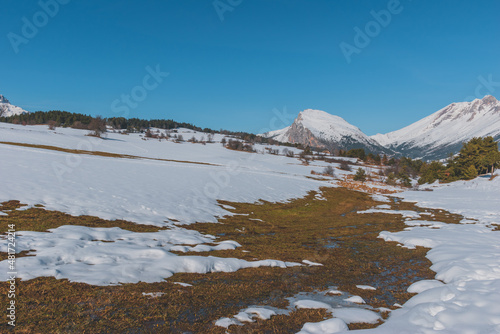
263,55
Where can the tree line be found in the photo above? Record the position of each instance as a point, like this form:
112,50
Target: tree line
479,156
58,118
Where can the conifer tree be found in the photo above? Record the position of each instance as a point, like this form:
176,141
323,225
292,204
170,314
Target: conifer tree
470,173
360,175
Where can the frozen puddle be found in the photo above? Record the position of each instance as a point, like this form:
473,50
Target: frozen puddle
249,315
109,256
341,305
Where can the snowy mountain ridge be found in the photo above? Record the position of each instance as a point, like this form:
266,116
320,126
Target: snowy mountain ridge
7,109
444,131
320,129
433,137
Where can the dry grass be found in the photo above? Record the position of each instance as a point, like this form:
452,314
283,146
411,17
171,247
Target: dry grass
329,232
101,154
371,187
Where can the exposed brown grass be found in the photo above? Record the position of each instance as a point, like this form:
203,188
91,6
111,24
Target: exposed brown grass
102,154
329,232
371,187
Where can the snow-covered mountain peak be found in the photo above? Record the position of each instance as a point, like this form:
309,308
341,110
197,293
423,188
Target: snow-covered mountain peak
444,131
3,99
489,99
7,109
318,128
324,124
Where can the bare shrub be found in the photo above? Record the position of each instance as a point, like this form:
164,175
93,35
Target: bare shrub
344,165
329,171
79,125
288,153
97,126
52,125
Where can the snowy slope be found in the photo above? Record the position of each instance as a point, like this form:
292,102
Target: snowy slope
465,258
7,109
464,296
321,129
168,193
444,131
181,189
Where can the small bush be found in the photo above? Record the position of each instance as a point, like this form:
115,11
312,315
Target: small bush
329,171
288,153
345,166
52,124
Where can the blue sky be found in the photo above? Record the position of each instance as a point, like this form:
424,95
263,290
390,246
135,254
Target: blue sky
262,57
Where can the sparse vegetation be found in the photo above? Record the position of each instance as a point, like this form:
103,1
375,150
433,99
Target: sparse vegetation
288,153
328,232
98,126
354,153
360,175
329,171
52,124
344,165
238,145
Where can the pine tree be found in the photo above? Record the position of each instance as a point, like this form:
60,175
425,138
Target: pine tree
360,175
470,173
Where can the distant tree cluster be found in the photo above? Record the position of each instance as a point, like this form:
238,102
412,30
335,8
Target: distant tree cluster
401,171
139,125
61,118
239,146
361,154
478,156
354,153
